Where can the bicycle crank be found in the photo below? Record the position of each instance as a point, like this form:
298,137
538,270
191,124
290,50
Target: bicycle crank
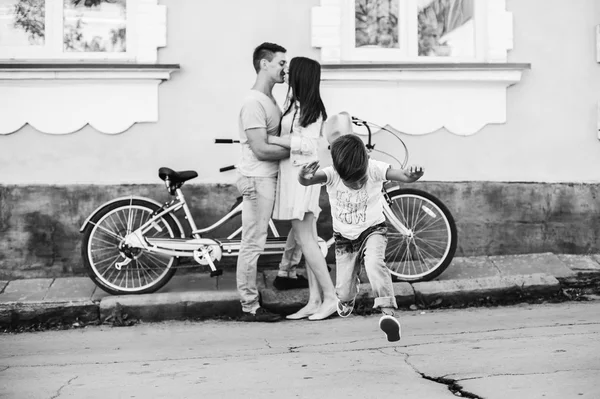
206,255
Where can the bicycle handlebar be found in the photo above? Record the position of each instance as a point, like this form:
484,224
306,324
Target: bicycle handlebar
226,168
360,122
356,121
226,141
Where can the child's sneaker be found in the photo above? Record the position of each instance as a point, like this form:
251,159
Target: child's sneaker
390,325
344,309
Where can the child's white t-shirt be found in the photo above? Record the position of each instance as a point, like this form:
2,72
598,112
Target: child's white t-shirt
354,211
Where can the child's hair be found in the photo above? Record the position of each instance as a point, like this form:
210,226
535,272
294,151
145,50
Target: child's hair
350,158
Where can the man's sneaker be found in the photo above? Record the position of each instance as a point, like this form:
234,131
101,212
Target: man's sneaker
288,283
261,314
390,325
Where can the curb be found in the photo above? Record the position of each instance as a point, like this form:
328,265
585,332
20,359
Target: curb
179,306
456,292
15,313
292,300
173,306
223,304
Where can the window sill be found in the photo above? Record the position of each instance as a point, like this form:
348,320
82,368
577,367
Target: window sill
510,72
66,97
422,98
17,71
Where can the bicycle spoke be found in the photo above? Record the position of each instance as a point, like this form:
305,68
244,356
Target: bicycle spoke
157,258
149,269
110,267
109,243
432,244
129,220
120,223
153,262
107,231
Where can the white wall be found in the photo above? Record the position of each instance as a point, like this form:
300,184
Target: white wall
550,134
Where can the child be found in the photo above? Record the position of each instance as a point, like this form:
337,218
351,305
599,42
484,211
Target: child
354,184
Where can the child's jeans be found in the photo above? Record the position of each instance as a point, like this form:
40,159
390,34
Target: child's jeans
368,249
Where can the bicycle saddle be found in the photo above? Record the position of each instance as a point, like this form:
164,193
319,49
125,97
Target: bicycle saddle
176,177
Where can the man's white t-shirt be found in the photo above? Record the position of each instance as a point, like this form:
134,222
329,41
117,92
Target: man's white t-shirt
258,111
354,211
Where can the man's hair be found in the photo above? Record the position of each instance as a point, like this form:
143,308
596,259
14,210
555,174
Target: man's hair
350,158
265,51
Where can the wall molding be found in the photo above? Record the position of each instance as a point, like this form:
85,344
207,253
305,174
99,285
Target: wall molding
63,98
421,99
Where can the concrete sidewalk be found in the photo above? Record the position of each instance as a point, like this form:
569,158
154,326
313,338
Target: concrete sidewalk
193,296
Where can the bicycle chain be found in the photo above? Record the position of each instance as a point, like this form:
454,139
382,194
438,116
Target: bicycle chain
162,268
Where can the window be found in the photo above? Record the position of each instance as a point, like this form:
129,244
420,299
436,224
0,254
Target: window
423,65
109,47
423,31
70,30
400,30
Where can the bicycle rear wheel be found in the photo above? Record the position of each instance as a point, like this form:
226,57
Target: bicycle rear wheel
102,249
428,250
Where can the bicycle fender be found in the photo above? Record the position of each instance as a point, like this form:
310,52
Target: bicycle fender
98,209
391,186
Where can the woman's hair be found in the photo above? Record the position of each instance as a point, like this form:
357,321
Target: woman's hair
350,158
304,80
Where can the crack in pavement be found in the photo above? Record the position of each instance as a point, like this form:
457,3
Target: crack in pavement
249,355
520,374
61,388
450,341
453,386
5,368
511,329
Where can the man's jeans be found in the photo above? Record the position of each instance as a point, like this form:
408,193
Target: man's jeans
368,248
258,199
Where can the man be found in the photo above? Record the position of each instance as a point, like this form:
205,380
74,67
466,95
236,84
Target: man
260,116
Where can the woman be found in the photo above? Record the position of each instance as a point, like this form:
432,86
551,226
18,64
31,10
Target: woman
300,131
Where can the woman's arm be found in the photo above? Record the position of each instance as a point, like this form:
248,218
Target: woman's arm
408,175
305,140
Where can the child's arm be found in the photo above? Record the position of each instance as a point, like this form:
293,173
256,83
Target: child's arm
408,175
284,142
310,174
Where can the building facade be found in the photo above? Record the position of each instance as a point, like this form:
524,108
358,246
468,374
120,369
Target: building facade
497,99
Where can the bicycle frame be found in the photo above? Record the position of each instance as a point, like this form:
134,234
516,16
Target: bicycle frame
204,250
140,232
198,247
207,250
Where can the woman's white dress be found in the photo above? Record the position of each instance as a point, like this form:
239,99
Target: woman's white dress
292,199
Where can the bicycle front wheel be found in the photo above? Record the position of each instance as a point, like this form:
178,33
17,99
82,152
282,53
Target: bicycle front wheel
428,247
127,270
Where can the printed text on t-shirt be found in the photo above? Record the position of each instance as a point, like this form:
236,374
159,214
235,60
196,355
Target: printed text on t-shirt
352,206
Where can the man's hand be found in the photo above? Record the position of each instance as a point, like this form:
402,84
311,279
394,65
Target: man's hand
308,170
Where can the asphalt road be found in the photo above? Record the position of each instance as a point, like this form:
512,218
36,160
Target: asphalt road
527,351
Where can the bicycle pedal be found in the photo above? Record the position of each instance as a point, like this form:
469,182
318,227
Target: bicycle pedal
218,272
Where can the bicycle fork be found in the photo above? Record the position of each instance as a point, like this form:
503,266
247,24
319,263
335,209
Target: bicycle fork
393,220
